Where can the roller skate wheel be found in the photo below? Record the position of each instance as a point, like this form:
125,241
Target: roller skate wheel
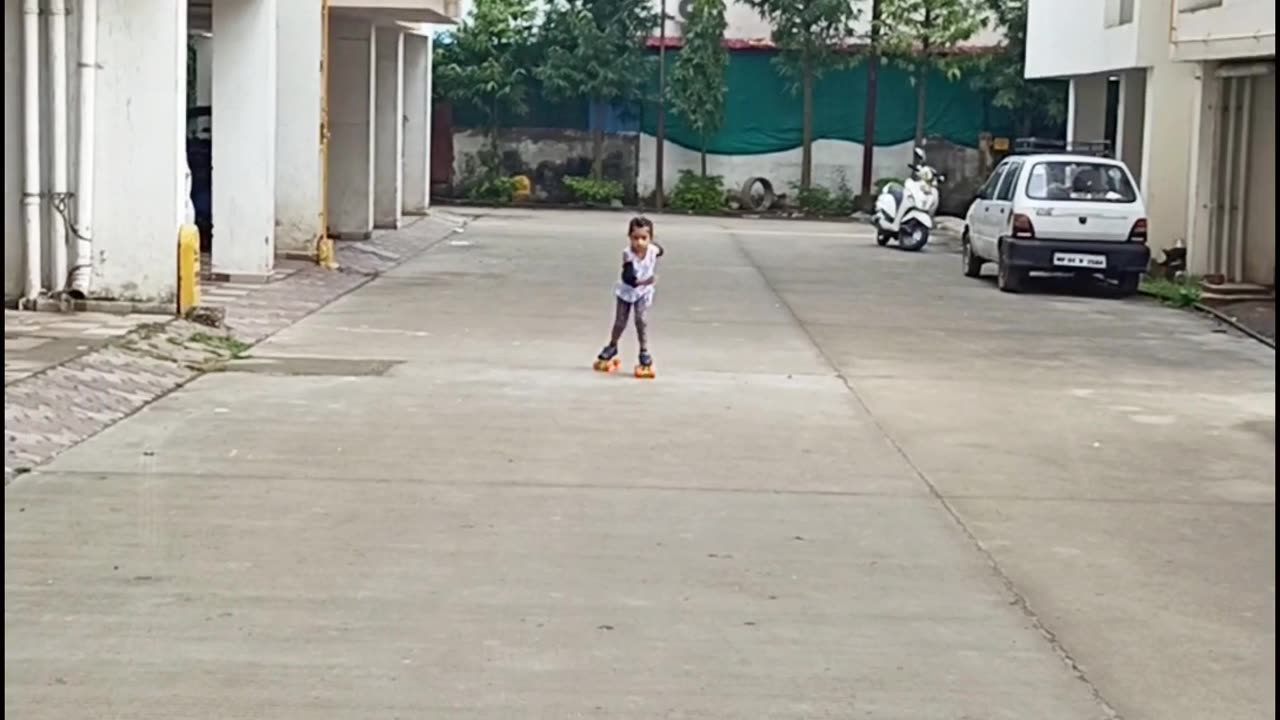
607,365
644,372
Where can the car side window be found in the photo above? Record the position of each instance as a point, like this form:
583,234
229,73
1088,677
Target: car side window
988,189
1010,179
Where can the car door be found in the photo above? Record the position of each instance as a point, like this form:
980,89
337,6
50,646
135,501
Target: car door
980,227
1000,209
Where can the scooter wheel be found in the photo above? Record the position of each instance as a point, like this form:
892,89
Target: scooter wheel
882,239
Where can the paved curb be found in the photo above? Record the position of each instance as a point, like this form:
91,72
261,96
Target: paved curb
54,410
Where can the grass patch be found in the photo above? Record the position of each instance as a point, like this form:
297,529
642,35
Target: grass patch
1178,293
222,343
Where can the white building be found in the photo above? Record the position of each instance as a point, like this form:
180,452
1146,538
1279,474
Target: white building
1165,60
96,125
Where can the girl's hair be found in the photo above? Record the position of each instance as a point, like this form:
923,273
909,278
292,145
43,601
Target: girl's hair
638,222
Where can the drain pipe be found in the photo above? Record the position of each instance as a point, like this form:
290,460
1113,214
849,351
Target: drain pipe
82,272
58,119
31,234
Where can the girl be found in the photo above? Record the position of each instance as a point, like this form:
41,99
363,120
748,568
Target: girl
634,294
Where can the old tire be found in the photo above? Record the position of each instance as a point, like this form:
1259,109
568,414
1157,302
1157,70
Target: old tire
972,263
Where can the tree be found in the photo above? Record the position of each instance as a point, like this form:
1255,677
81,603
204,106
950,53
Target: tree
484,64
698,84
595,49
811,35
1003,73
922,35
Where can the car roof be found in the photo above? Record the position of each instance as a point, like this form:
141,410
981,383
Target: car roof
1067,157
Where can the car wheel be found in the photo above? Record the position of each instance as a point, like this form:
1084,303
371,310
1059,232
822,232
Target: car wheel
971,262
1009,279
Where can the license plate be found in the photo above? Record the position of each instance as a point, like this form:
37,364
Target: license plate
1078,260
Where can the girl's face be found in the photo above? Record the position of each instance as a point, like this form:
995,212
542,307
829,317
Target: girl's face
640,240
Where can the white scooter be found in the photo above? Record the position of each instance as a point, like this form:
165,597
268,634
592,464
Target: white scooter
905,212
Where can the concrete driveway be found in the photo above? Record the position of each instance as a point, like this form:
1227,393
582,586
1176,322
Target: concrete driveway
862,486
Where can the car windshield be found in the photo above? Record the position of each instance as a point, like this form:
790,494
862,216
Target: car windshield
1071,180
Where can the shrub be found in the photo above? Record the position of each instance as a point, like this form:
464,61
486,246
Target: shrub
590,190
1178,293
698,194
818,200
493,189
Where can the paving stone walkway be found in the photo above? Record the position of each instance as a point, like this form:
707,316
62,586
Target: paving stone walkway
67,377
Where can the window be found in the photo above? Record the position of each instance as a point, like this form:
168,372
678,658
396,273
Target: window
1080,181
1187,6
988,189
1009,180
1118,12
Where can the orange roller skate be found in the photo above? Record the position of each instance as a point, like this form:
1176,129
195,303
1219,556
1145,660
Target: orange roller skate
608,360
644,370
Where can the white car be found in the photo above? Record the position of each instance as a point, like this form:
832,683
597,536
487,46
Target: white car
1061,212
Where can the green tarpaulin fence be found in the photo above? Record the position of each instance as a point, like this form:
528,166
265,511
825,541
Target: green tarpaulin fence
762,115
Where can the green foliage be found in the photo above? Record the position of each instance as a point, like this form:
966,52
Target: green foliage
818,200
485,63
1178,293
592,190
1002,74
811,35
595,49
494,189
923,34
698,193
698,83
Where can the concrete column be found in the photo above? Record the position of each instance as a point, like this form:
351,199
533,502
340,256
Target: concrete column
140,148
1200,169
244,137
352,45
1131,117
299,203
1087,108
13,162
1166,154
388,167
417,125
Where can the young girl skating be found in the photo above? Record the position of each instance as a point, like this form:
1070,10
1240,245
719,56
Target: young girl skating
634,295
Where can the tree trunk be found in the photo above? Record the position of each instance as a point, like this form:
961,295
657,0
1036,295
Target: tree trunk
922,81
597,140
806,138
703,157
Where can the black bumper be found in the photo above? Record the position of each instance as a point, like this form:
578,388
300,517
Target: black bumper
1037,254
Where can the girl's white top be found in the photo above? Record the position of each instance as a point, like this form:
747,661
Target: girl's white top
645,268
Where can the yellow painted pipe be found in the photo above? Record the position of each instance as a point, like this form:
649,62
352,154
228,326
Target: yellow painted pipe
188,268
324,244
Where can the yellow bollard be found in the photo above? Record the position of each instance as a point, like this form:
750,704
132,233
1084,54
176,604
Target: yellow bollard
188,268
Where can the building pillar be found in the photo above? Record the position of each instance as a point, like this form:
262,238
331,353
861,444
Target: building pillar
1166,153
140,156
388,168
1131,118
244,137
299,205
417,125
352,45
1087,108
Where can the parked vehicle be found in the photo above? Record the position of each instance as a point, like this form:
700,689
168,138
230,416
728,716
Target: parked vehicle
904,212
1058,208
